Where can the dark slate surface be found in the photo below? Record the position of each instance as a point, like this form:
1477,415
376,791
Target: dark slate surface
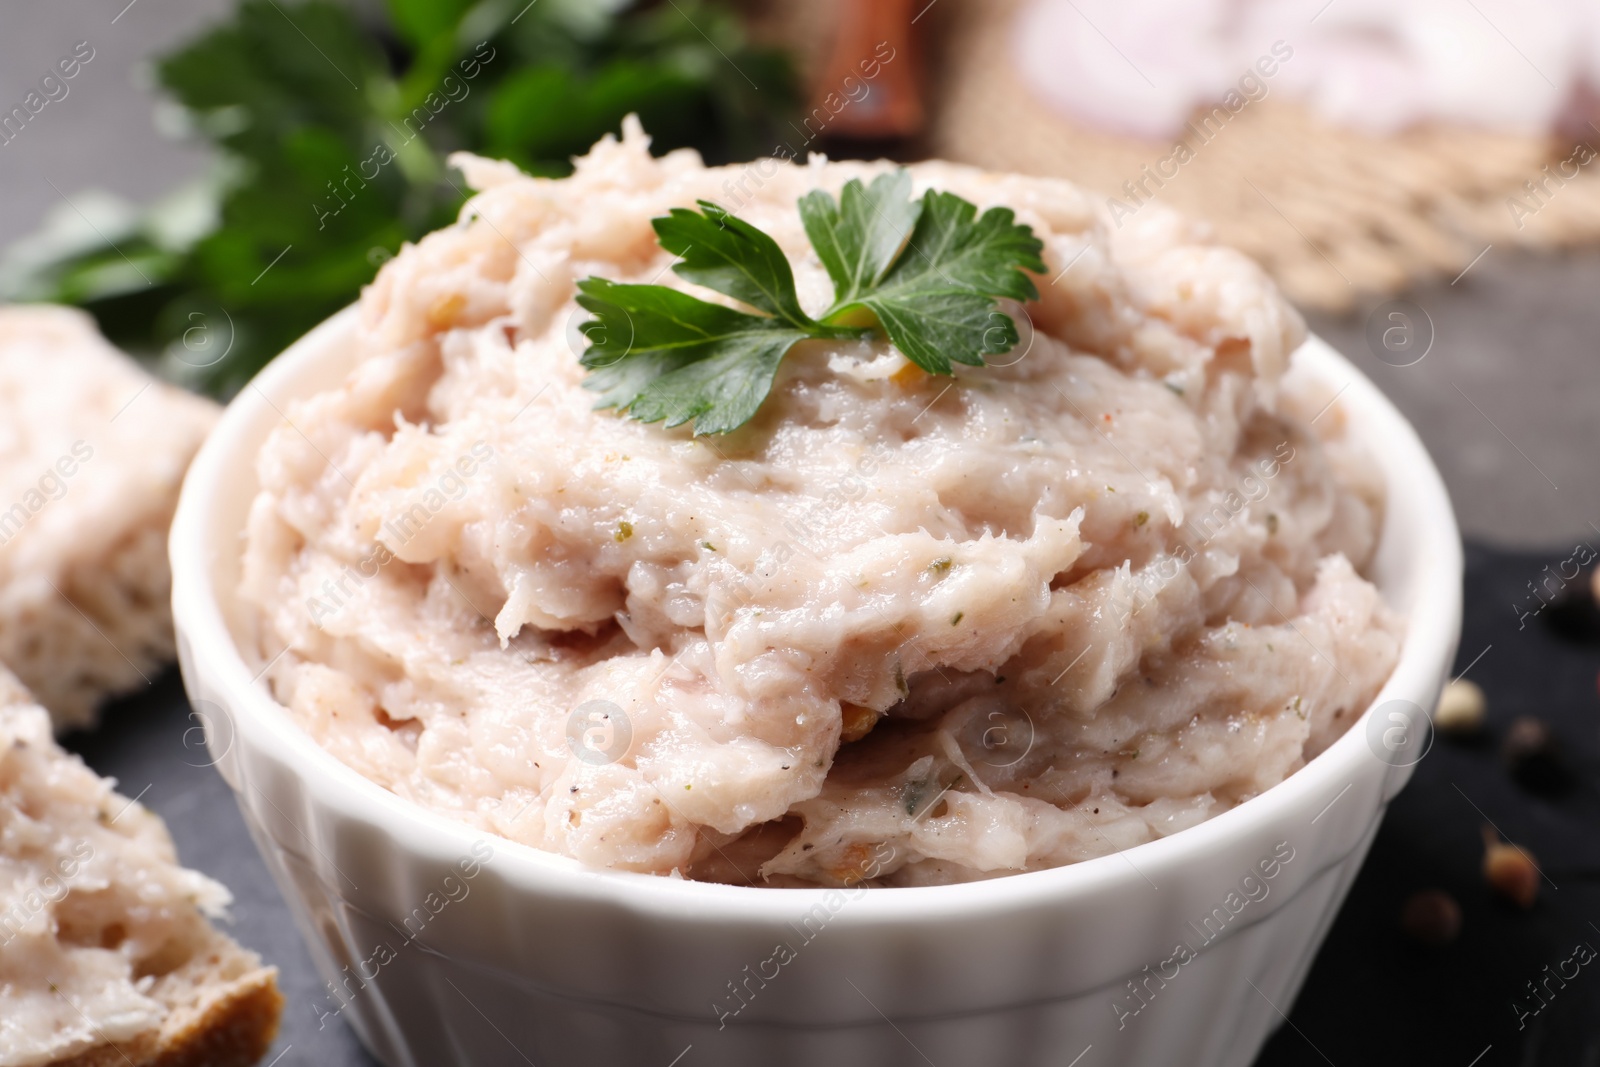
1372,998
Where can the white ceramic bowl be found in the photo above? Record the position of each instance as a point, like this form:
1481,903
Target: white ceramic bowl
527,957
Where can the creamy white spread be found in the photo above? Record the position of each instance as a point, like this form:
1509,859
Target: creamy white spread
92,452
900,628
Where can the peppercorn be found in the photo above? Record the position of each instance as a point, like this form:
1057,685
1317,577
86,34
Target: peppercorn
1431,917
1510,871
1572,611
1461,709
1533,757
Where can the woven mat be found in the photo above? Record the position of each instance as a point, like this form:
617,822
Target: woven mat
1336,215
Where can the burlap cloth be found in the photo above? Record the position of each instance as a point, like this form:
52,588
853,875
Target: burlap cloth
1338,216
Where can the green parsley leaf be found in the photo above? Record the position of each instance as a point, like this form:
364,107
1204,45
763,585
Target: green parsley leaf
666,355
858,238
929,272
725,253
936,302
722,391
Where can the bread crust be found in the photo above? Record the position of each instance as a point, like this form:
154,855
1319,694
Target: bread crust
229,1027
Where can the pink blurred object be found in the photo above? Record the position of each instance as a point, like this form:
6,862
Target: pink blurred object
1144,66
1131,67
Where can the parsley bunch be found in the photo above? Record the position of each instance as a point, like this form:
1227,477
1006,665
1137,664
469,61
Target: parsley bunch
926,273
330,123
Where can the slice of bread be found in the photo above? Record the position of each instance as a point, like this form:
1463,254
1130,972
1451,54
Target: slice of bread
92,451
107,954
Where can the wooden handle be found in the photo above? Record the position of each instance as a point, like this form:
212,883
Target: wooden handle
870,88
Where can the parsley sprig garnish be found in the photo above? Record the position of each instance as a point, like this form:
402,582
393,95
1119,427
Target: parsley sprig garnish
927,273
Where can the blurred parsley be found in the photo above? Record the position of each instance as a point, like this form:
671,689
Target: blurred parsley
331,129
